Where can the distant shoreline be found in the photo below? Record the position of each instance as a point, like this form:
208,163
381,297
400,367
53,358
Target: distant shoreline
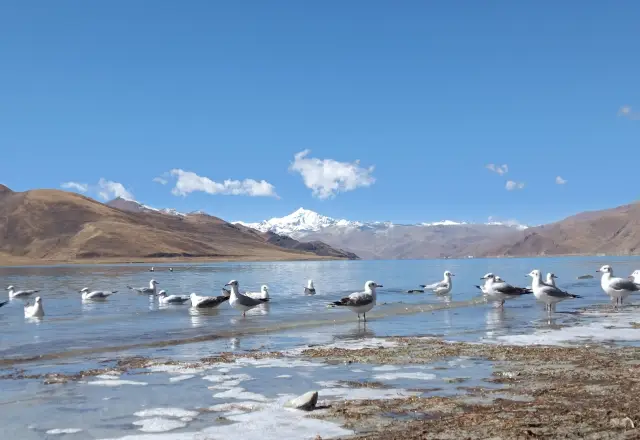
8,261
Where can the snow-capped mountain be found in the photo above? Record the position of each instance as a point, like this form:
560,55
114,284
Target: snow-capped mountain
304,221
133,206
387,240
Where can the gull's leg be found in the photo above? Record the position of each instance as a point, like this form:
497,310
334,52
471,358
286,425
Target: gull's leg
501,304
244,314
365,317
358,316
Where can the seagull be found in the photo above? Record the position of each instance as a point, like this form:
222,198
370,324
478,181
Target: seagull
20,293
152,269
498,290
151,290
263,294
360,302
242,302
163,298
442,287
35,310
483,287
550,295
551,279
617,288
204,302
171,269
96,294
310,290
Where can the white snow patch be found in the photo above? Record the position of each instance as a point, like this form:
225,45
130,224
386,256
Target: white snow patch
176,369
240,394
181,378
63,431
227,377
116,383
278,363
405,375
284,376
158,424
335,389
166,412
386,368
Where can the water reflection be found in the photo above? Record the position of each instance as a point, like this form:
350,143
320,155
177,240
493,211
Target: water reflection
199,317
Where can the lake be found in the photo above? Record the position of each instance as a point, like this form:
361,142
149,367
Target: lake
76,335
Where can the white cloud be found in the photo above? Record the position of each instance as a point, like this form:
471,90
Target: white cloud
188,182
110,190
327,177
627,112
80,187
511,185
560,180
500,169
160,180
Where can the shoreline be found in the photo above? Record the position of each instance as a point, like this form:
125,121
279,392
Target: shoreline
7,261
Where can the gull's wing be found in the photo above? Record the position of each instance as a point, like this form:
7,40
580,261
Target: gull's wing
557,293
434,285
355,299
248,301
508,289
622,284
309,291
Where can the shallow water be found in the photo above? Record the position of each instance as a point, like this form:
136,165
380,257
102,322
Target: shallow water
75,335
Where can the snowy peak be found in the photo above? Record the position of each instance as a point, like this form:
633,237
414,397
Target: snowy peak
304,221
133,206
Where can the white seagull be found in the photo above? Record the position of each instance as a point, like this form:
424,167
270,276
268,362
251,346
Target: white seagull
242,302
496,289
483,287
164,298
310,290
551,279
549,295
20,293
360,302
34,311
263,294
96,294
442,287
207,302
617,288
151,290
635,276
152,269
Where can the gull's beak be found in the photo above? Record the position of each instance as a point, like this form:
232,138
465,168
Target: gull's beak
483,278
379,285
598,270
453,275
555,276
227,284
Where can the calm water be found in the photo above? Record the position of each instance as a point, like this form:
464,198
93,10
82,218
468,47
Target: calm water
75,335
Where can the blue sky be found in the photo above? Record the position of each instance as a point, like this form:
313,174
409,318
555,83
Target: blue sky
428,93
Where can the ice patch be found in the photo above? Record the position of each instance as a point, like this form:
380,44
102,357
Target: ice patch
240,394
63,431
386,368
227,377
176,369
284,376
181,378
115,383
278,363
355,344
108,376
611,329
405,375
166,412
158,424
272,422
334,389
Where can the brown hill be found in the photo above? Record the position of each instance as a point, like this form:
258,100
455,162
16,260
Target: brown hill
63,226
612,231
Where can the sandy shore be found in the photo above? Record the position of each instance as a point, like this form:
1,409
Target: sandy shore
532,392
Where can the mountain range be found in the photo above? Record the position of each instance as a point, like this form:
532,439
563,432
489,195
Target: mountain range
53,225
610,231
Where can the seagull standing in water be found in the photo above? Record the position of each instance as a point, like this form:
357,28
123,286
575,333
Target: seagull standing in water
617,288
263,294
96,294
34,310
310,290
498,290
549,295
242,302
151,290
360,302
20,293
486,277
551,279
442,287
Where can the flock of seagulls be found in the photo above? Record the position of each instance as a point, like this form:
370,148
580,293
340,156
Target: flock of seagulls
494,289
